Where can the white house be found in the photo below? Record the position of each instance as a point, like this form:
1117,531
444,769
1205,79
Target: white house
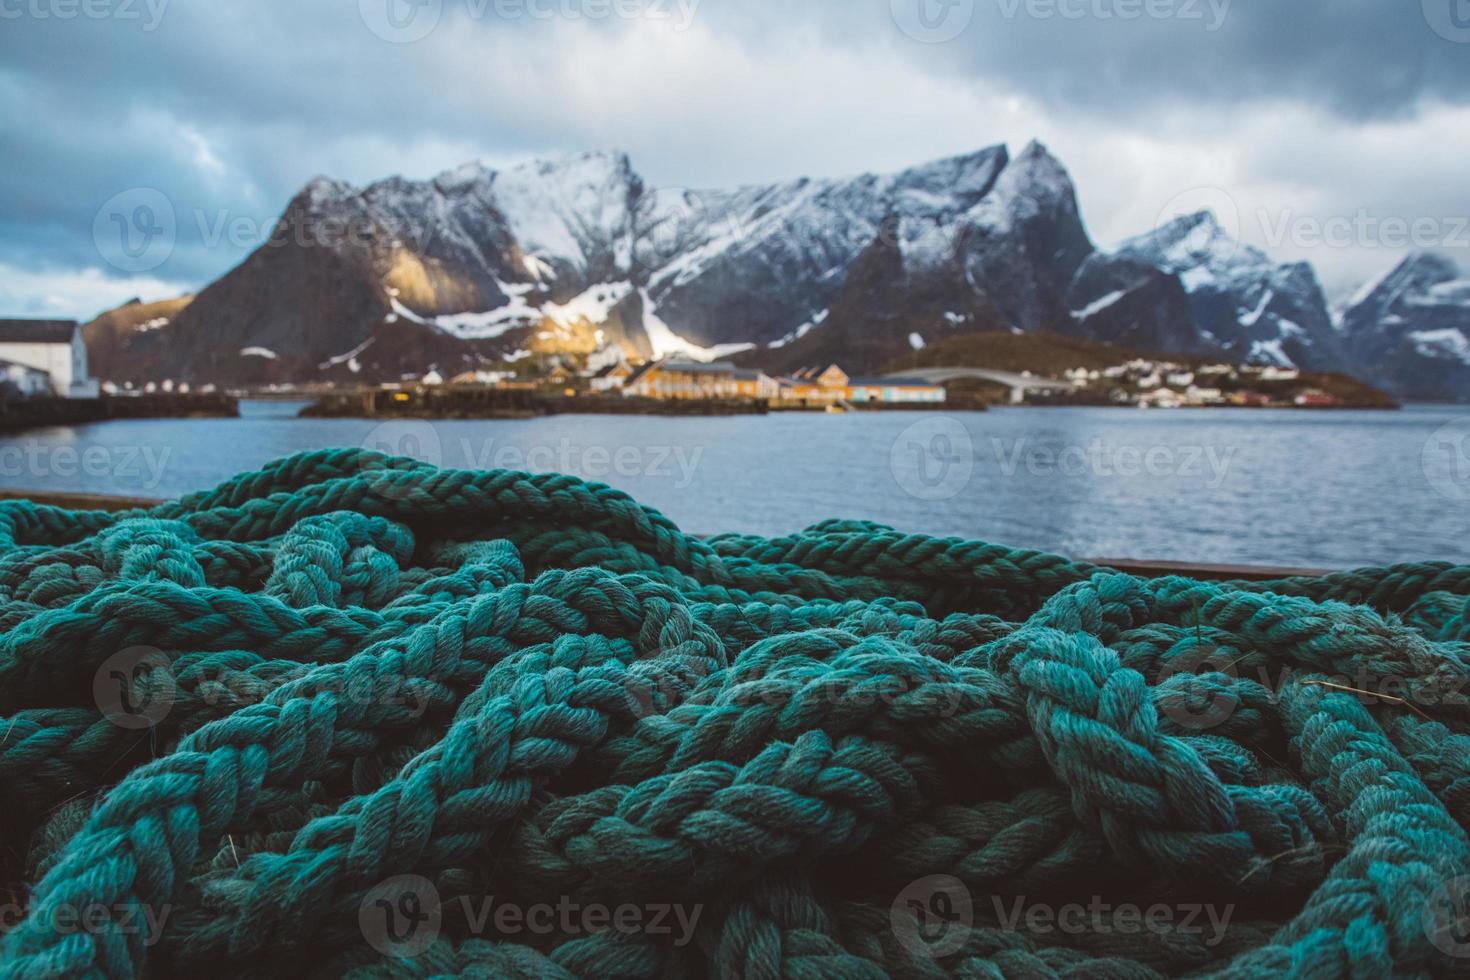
1272,373
24,380
52,346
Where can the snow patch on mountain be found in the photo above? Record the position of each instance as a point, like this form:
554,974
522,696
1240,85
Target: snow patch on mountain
1455,292
801,331
485,325
665,342
1099,304
538,268
1254,316
1447,343
569,209
349,358
594,304
1269,352
1197,278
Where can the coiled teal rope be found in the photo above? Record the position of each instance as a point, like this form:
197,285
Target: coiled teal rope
346,668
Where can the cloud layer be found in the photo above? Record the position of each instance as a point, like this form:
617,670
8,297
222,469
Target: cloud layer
1333,131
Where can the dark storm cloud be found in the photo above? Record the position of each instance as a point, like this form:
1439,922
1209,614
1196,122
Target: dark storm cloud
1358,58
228,108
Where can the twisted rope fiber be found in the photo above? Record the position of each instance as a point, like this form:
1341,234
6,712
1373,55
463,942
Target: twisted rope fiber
532,688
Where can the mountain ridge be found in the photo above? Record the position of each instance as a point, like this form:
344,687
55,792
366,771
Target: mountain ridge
477,268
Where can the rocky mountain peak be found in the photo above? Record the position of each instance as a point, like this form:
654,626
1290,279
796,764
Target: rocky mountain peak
575,255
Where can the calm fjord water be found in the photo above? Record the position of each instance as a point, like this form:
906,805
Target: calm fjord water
1324,489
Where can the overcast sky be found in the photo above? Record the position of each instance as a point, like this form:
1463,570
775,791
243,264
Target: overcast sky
1336,131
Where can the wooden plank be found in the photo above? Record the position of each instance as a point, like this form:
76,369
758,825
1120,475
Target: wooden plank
1212,573
79,501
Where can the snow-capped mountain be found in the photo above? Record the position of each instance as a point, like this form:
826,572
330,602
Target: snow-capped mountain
1003,263
575,255
1240,305
477,269
1413,327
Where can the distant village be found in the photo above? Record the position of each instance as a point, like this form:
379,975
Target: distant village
672,379
1139,382
49,358
824,385
1166,384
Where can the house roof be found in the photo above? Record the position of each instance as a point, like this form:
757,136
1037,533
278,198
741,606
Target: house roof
699,367
891,383
37,331
639,372
7,365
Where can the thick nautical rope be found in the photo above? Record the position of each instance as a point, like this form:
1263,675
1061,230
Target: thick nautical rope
347,668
